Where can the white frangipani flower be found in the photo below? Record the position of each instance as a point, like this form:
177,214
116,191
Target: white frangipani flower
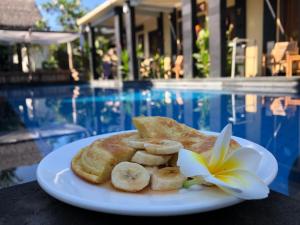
234,172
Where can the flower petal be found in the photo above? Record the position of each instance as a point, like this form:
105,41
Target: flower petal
242,159
221,147
191,164
241,184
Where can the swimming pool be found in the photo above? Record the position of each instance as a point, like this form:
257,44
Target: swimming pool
36,120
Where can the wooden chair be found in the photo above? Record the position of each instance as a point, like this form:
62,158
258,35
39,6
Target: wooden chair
277,59
291,58
178,67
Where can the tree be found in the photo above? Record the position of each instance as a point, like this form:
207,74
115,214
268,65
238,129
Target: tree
67,11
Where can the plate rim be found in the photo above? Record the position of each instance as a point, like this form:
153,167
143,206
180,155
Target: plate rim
151,211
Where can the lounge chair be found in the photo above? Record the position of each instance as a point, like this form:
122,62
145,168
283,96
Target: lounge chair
277,59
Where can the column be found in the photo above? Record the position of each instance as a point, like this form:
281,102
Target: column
131,40
92,53
254,26
189,36
119,38
217,40
20,59
173,31
160,28
167,35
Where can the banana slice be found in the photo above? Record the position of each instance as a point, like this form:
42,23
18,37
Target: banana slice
148,159
151,169
166,179
131,177
135,141
135,144
163,147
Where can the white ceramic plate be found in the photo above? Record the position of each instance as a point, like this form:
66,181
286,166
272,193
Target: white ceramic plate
56,178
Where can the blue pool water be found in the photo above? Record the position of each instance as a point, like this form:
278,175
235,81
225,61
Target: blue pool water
45,118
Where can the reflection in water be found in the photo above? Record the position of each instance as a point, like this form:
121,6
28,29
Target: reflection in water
59,115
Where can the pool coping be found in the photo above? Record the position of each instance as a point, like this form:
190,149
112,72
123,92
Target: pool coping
277,85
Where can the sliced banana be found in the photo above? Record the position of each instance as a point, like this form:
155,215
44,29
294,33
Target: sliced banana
151,169
135,142
95,162
166,179
148,159
131,177
163,147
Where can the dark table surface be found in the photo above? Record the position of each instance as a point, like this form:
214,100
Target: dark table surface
29,204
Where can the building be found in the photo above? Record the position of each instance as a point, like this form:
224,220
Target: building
24,49
16,15
168,27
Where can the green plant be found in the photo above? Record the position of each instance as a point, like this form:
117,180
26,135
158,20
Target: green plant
50,64
67,11
41,25
202,56
102,45
125,60
139,51
159,70
125,64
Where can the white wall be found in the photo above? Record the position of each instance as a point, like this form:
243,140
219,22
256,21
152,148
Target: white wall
167,35
149,25
37,56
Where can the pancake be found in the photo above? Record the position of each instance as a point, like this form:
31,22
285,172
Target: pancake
166,128
79,171
95,162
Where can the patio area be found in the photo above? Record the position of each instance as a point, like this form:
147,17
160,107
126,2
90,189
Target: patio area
163,39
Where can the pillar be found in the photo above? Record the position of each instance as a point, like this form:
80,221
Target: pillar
131,40
254,28
217,37
160,28
92,53
173,30
20,59
119,38
189,36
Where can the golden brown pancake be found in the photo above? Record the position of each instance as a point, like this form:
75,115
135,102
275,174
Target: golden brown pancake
79,171
166,128
94,163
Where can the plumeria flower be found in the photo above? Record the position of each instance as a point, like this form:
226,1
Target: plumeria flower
233,172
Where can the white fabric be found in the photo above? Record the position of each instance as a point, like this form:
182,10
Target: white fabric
36,37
